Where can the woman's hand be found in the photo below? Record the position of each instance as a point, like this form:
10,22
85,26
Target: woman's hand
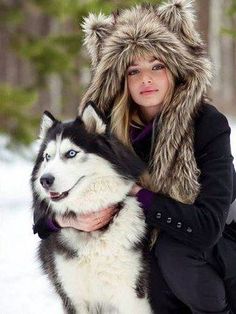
88,222
135,189
93,221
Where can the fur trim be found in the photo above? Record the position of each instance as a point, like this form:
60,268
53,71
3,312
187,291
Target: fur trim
165,31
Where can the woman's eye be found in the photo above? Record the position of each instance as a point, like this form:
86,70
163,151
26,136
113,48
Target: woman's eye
47,157
158,67
132,72
71,153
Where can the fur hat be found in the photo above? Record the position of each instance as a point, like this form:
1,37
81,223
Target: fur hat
168,31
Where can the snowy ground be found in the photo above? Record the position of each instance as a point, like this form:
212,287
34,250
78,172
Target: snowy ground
24,289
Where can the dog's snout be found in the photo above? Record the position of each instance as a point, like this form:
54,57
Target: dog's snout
47,180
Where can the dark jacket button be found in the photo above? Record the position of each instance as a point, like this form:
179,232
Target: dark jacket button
158,215
179,225
189,230
168,220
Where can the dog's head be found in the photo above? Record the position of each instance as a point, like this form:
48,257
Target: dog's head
80,165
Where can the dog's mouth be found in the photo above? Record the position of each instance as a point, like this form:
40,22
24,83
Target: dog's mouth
55,196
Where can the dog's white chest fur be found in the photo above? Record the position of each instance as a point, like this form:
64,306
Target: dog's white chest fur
106,271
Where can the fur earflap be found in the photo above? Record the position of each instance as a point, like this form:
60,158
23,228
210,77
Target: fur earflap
96,29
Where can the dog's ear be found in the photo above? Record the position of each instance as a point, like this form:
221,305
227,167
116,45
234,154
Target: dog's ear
93,119
46,123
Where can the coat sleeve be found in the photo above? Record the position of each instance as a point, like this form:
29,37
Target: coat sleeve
201,224
45,226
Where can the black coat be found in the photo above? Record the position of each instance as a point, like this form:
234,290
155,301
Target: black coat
201,224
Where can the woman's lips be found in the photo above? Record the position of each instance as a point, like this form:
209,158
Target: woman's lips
147,92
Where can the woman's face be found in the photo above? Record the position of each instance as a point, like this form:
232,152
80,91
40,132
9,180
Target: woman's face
148,84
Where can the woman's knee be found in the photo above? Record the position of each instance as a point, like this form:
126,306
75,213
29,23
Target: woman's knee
189,276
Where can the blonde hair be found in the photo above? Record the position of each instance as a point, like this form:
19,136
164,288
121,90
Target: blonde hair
124,112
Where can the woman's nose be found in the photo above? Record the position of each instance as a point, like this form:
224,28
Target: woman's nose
146,79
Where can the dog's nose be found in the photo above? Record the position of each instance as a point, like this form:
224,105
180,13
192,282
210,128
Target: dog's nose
47,180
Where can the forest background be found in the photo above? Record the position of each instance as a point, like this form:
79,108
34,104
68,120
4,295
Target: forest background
43,64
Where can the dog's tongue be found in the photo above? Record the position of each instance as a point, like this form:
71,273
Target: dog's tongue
54,194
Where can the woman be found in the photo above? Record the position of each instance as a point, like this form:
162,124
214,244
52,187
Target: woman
150,75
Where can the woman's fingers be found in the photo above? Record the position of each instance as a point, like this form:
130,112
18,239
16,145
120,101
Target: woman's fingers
98,220
100,215
89,222
135,189
89,226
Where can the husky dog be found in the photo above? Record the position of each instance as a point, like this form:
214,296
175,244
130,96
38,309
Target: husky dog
82,168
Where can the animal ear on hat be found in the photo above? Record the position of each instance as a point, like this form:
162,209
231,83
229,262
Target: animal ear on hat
96,29
93,119
47,122
179,17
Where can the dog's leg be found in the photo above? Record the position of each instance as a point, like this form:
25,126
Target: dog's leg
135,305
69,310
82,308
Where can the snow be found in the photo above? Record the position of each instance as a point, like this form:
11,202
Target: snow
24,288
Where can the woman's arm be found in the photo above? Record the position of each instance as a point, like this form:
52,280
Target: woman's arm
200,224
86,222
45,226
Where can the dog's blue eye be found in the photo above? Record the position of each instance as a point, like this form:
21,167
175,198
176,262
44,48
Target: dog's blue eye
47,157
71,154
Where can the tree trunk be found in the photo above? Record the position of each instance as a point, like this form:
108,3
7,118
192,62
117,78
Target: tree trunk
215,22
54,80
